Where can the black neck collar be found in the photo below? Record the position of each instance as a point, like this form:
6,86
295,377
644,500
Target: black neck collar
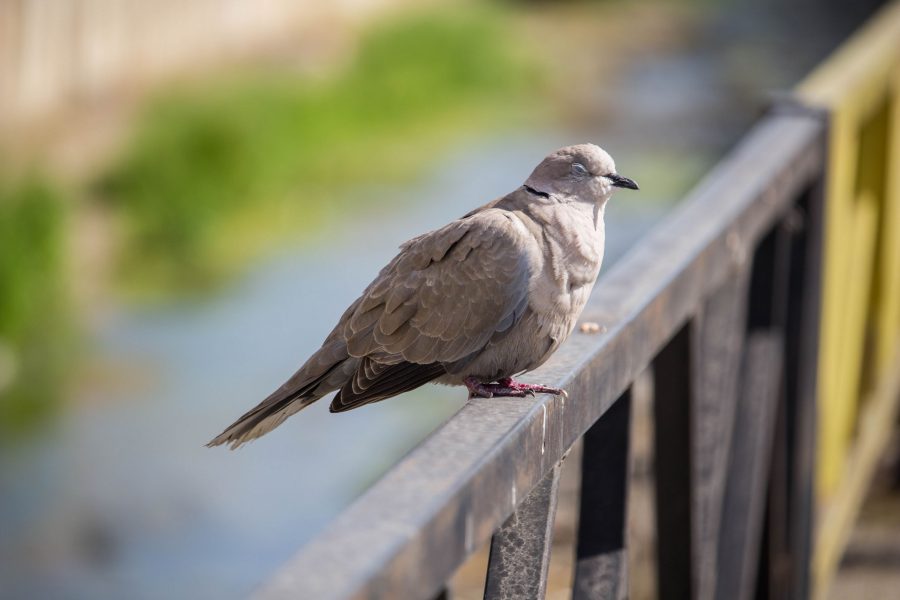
531,190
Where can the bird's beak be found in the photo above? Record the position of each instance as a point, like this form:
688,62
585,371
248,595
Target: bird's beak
622,182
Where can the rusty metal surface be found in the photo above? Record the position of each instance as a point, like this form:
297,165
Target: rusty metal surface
520,550
408,533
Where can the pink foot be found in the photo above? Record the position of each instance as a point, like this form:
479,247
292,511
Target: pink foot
508,387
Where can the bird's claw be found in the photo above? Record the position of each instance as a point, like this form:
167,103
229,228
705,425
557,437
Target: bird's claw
508,387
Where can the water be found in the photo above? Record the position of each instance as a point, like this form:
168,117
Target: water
119,498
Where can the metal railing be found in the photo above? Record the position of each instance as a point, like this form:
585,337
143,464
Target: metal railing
729,278
721,303
860,355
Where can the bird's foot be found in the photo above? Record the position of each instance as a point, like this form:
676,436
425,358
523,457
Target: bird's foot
531,388
508,387
485,390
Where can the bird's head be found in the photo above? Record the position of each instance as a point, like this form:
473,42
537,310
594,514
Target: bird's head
583,172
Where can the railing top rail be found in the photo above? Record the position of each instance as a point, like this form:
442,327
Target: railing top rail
856,76
406,535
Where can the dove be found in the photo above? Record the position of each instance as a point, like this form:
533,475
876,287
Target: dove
475,303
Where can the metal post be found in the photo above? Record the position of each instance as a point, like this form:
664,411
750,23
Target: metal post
672,443
601,567
520,550
745,493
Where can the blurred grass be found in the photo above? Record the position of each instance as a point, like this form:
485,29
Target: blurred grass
216,175
33,302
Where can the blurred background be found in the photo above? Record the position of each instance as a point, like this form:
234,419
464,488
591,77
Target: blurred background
191,194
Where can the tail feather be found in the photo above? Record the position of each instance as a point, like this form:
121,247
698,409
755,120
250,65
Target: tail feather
296,394
250,427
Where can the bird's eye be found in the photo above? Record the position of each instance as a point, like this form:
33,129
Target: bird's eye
579,169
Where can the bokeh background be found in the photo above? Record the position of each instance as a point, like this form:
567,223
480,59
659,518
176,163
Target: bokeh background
191,194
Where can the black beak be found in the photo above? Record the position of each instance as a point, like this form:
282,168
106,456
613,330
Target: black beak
622,182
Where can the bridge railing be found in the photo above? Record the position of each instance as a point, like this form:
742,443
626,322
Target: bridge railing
721,303
859,358
718,300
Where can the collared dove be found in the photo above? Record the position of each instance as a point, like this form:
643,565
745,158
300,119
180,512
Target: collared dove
474,303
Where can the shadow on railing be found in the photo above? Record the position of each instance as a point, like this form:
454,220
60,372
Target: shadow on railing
721,303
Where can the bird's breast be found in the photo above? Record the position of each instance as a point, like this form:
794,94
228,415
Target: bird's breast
571,258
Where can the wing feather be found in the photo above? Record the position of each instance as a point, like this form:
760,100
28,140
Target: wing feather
447,292
440,300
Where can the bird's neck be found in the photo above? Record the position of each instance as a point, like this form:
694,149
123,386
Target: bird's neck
564,221
574,227
563,216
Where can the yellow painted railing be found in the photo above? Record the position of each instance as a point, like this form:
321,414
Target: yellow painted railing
859,357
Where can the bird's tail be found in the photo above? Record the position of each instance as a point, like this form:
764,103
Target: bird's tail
259,421
297,393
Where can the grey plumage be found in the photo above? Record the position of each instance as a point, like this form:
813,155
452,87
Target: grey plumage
484,298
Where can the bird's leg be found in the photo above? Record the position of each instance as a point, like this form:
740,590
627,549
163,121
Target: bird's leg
478,389
507,387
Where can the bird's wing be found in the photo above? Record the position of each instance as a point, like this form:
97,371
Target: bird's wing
375,381
440,300
447,292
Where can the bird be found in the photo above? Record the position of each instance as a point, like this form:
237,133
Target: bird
475,303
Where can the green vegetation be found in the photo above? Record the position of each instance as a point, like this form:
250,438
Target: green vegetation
216,175
33,303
